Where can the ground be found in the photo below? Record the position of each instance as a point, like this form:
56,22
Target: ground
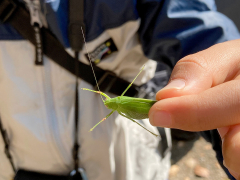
195,157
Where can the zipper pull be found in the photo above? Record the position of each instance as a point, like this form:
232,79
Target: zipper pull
35,13
35,10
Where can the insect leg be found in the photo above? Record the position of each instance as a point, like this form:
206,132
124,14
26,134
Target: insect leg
102,120
99,92
138,124
132,82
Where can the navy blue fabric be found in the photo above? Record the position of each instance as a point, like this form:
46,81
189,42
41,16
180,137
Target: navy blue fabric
101,15
57,17
175,28
7,32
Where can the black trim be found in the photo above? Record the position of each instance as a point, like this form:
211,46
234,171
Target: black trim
76,24
7,8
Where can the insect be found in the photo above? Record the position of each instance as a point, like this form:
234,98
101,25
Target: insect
131,108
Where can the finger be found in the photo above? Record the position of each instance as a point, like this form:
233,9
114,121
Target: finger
231,146
203,70
234,174
214,108
223,131
226,148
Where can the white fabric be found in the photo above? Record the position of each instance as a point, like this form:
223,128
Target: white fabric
37,110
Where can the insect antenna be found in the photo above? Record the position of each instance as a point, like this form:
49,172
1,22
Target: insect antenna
89,57
132,81
99,92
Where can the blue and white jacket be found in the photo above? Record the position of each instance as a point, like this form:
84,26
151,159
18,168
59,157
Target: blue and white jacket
37,102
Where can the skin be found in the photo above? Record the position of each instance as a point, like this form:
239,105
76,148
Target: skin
204,93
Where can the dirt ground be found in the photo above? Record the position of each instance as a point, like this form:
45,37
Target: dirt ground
195,157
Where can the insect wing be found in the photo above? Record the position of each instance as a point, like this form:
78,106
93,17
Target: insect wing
132,114
136,108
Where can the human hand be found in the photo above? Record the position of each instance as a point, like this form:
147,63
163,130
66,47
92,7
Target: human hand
203,94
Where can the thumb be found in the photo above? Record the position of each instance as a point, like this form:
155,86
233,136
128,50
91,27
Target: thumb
197,72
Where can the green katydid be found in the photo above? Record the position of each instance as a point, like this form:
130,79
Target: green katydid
131,108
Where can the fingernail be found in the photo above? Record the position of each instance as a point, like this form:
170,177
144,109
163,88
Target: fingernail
160,118
176,84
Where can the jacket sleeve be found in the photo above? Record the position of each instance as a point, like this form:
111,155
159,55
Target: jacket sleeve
171,29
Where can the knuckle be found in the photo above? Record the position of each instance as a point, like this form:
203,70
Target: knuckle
190,67
194,59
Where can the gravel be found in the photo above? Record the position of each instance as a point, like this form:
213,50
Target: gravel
195,160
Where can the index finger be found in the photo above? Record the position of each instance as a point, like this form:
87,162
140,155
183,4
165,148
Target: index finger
211,109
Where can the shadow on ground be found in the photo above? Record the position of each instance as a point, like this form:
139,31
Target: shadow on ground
182,143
